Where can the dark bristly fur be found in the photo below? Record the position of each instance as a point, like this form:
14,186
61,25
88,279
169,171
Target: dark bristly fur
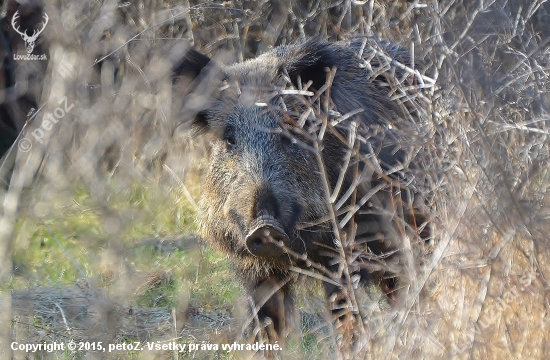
255,170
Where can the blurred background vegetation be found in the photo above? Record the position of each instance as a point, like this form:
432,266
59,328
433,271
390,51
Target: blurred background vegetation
97,220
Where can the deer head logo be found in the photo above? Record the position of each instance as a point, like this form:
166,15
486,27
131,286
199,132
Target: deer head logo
29,40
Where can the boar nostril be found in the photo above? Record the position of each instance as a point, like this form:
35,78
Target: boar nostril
256,242
262,241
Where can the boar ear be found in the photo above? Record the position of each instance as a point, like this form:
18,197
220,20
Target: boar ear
310,61
191,65
193,72
200,123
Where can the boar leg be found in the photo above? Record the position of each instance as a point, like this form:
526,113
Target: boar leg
273,299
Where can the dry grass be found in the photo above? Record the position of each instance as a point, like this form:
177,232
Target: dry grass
118,169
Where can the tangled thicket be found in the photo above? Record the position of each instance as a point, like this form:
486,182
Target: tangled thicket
476,111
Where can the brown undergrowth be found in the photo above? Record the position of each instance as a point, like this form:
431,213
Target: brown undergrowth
475,121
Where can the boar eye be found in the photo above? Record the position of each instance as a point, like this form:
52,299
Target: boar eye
229,140
285,140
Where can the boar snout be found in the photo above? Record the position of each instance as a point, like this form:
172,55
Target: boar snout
264,238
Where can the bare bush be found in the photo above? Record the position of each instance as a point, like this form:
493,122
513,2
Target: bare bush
474,121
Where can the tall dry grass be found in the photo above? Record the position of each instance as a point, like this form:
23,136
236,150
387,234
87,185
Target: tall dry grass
476,120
